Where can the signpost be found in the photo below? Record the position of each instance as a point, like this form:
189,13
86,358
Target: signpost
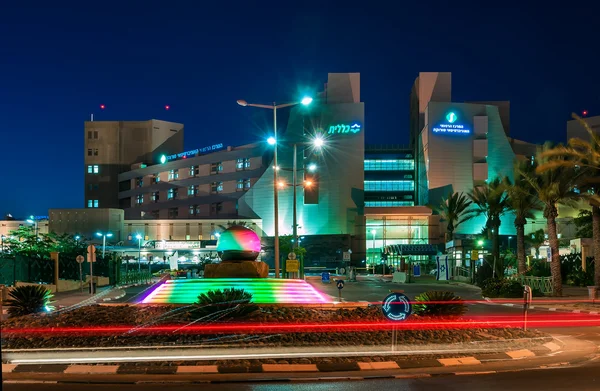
340,286
527,297
91,258
325,277
80,260
292,265
396,307
347,256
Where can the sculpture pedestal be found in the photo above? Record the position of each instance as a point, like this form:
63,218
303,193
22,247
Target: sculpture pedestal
244,269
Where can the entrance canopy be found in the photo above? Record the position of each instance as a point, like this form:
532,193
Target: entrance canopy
411,249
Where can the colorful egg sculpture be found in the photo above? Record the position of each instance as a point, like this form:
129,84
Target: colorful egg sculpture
238,243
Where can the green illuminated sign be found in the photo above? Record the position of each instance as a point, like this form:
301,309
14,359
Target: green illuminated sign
451,117
451,126
343,129
163,159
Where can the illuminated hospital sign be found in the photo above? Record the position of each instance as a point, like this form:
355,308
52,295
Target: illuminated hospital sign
450,126
343,129
193,152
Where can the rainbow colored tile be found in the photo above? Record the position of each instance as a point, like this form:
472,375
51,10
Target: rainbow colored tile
263,290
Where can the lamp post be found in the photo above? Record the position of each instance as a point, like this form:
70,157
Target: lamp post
509,238
273,141
2,240
104,236
373,232
139,239
34,221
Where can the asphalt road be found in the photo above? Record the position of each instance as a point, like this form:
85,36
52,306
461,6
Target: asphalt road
584,378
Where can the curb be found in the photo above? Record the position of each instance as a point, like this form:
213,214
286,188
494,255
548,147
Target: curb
120,296
488,301
129,368
292,379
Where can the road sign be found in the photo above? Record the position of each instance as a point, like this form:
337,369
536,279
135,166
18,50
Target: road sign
340,284
79,259
342,270
396,307
292,265
91,249
347,256
325,277
292,256
91,257
474,254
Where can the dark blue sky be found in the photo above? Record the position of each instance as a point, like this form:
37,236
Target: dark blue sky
59,61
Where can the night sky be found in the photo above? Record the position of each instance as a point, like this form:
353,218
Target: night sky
60,61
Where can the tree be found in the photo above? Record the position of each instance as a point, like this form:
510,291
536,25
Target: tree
492,201
454,211
584,223
522,202
582,156
553,184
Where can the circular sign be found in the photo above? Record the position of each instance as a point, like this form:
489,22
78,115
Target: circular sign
342,270
79,259
292,256
396,307
340,284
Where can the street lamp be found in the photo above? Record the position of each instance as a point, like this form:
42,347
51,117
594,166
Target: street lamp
34,221
373,232
139,239
2,240
509,238
104,236
273,141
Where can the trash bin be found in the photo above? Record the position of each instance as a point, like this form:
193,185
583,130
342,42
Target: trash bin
92,288
592,291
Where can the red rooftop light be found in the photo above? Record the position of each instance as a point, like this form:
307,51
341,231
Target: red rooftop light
102,107
167,107
584,112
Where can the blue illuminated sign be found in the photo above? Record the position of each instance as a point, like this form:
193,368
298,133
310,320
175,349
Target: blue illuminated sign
396,307
193,152
451,126
343,129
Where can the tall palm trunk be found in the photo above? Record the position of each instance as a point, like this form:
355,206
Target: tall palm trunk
596,240
555,264
496,250
521,247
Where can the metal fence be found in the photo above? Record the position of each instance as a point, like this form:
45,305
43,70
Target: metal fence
543,284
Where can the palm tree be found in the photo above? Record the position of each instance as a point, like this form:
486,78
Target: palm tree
522,202
453,210
491,201
553,184
584,156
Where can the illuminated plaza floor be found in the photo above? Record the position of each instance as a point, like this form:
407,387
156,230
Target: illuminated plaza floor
263,290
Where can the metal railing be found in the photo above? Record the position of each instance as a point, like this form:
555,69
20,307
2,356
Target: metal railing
543,284
135,277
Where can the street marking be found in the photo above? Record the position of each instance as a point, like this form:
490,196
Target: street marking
523,353
7,368
91,369
552,346
378,365
458,361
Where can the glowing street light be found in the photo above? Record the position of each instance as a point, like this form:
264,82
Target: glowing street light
139,239
273,141
312,167
104,236
318,142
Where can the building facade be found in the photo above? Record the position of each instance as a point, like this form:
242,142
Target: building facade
112,147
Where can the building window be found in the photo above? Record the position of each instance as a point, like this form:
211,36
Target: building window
216,207
139,182
173,213
92,151
92,135
389,165
193,190
388,204
154,214
194,209
243,184
155,196
172,194
215,168
173,174
92,203
93,169
243,164
155,178
194,170
216,187
140,199
389,185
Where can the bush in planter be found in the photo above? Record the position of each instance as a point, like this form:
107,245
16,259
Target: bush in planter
28,299
439,303
229,303
484,273
502,288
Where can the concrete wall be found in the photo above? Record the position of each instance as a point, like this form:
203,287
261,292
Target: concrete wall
86,222
6,226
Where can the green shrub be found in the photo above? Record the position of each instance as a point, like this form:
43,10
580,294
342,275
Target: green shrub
229,303
484,273
439,303
28,299
502,288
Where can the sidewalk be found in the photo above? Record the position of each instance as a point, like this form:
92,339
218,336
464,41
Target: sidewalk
76,297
